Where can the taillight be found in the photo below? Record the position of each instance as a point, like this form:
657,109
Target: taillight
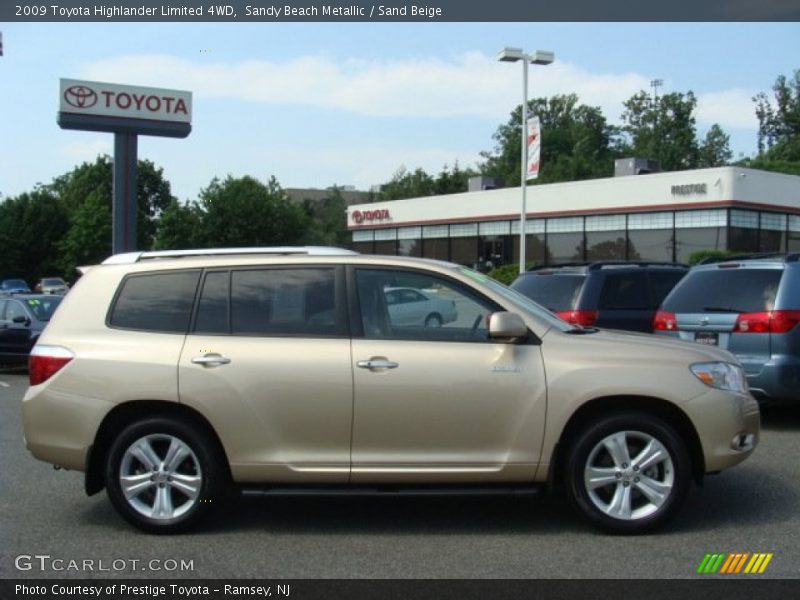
775,321
665,321
585,318
46,361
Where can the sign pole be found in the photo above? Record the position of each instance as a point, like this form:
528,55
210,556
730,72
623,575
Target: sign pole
124,211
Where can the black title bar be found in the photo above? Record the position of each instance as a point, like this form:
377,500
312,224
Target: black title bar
422,11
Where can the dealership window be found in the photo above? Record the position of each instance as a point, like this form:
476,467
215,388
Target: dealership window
435,242
464,250
690,219
565,241
699,230
650,236
534,242
363,241
688,241
386,241
654,244
495,228
793,242
436,248
565,247
409,242
534,249
743,232
605,237
772,236
464,243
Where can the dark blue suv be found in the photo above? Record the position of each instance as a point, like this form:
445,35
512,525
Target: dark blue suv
609,294
751,307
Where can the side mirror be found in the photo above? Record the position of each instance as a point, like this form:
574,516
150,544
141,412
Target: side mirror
507,327
21,319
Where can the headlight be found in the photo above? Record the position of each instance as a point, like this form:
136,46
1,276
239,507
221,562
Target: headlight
721,375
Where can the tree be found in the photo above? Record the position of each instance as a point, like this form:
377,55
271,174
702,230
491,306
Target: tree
405,184
86,194
577,142
327,220
452,181
179,227
663,129
31,226
245,212
715,151
88,238
779,125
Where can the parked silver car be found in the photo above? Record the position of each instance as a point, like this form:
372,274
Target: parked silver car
410,306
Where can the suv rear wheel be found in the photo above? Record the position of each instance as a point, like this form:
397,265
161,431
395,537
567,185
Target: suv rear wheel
628,473
162,475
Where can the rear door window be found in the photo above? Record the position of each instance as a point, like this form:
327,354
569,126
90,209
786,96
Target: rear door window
270,302
661,284
624,291
155,302
725,290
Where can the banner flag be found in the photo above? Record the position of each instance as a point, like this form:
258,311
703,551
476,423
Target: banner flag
534,148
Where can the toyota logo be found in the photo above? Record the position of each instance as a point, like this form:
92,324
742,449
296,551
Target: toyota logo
358,217
80,96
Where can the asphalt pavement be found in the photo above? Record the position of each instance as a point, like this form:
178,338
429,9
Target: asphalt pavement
754,507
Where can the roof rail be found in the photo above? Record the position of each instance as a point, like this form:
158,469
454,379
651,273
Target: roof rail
599,264
129,258
634,263
790,257
558,266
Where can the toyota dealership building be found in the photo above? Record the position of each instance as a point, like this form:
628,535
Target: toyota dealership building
652,217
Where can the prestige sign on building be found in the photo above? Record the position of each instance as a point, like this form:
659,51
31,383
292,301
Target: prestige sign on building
125,101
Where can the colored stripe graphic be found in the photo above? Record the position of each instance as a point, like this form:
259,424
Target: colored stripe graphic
733,563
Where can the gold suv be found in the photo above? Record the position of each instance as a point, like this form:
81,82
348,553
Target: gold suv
173,378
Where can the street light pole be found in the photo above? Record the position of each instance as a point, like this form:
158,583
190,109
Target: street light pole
540,57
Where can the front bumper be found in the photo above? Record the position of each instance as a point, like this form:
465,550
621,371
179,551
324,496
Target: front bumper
728,425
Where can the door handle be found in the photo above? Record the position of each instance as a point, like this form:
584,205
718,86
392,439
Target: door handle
210,359
377,363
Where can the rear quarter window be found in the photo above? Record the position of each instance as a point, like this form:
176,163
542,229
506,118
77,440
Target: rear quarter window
155,302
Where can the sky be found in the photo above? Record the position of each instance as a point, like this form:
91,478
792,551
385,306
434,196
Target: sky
321,104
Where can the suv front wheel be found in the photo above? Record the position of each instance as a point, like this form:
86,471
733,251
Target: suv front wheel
628,473
162,475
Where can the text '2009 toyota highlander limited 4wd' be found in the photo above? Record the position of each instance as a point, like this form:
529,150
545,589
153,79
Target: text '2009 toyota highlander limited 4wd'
172,378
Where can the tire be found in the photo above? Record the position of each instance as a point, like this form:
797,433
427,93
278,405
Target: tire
626,497
165,495
433,320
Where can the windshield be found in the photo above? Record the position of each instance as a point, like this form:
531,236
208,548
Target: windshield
52,281
520,300
43,308
556,292
14,283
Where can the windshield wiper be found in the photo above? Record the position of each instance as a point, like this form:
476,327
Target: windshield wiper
725,309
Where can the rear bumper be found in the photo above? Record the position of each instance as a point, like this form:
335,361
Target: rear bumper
778,381
59,428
